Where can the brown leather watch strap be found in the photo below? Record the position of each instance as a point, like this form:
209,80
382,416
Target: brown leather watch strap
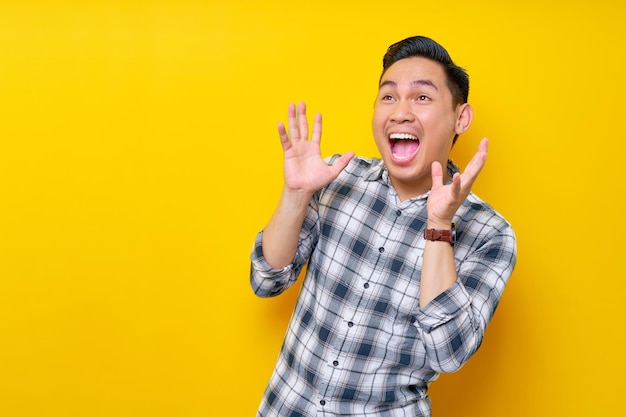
436,234
448,235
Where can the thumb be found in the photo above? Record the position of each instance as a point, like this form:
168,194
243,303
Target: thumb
341,163
436,174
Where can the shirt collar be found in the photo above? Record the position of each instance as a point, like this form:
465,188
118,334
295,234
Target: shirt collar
375,173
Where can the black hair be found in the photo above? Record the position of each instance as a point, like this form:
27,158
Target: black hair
421,46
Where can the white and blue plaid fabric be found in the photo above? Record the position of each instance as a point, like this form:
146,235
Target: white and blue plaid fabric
359,343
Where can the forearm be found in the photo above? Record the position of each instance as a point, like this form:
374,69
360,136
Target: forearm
438,268
453,324
280,236
450,317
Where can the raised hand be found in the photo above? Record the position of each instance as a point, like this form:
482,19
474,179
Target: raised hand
445,200
305,170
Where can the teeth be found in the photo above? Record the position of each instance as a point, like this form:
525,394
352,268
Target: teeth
402,136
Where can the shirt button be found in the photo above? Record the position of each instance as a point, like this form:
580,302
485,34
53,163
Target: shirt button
335,363
366,285
381,249
399,212
322,402
350,324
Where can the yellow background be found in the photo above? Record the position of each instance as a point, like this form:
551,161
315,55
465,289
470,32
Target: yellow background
139,157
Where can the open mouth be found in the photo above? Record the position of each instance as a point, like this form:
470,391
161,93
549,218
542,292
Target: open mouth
404,146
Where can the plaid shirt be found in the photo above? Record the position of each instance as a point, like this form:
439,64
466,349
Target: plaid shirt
358,343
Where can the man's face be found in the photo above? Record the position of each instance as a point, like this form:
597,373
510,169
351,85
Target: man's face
414,122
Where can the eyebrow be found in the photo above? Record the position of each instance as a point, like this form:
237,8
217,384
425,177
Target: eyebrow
414,84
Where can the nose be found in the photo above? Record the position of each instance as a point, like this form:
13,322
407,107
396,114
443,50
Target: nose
402,112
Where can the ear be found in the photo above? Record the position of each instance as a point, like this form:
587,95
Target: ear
464,116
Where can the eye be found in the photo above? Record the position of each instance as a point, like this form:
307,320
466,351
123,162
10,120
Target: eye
423,98
387,97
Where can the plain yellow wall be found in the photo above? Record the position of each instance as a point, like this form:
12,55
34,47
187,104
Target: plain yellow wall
139,157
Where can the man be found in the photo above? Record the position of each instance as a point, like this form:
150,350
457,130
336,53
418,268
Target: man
405,266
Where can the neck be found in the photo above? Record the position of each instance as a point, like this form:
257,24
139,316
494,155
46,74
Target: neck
411,189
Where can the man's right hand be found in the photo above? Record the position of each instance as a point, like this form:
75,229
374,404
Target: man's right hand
305,170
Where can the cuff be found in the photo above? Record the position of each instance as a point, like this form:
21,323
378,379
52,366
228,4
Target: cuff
445,307
259,263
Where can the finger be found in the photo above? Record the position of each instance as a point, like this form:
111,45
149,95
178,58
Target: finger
341,163
303,125
316,135
478,161
455,190
284,138
292,121
436,174
475,165
483,145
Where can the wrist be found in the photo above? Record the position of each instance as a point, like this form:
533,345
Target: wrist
439,224
296,198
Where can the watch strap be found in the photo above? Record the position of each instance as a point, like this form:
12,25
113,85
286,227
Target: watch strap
437,234
445,235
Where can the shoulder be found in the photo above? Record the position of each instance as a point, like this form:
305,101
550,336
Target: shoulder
484,233
353,182
477,217
359,167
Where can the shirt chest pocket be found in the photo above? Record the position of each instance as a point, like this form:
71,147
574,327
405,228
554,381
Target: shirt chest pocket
404,288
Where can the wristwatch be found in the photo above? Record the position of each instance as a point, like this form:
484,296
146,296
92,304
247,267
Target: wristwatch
441,235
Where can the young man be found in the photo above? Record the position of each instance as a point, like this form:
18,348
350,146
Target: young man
405,265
